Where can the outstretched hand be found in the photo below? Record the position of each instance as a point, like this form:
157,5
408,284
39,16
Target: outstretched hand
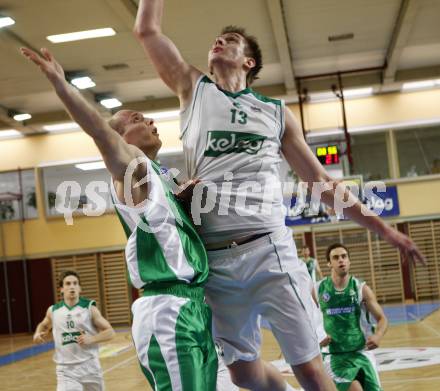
405,245
46,62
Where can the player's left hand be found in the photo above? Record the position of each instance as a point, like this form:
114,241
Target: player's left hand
85,339
372,342
405,244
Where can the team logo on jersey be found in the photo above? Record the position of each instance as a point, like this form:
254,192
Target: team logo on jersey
221,142
326,297
256,109
67,338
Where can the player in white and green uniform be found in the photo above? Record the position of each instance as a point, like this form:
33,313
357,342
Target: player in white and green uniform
171,322
165,256
77,328
346,304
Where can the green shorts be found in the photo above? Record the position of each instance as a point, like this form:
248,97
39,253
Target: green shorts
173,340
344,368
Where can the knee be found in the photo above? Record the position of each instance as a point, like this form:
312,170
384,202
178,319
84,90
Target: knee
243,380
312,374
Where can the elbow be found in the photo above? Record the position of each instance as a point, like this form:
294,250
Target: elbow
142,31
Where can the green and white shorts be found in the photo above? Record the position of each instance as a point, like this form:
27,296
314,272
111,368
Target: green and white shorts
344,368
85,376
172,335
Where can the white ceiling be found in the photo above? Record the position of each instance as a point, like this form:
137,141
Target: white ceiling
293,35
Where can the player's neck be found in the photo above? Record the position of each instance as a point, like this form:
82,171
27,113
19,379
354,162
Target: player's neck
230,80
340,282
71,302
152,155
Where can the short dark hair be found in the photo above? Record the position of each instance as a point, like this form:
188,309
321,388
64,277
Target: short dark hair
332,247
252,50
68,273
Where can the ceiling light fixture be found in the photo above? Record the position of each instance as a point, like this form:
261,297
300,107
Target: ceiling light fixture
418,85
358,92
91,166
83,82
79,35
22,117
110,103
6,21
61,126
10,133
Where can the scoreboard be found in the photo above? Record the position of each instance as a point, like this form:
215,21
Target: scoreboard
328,155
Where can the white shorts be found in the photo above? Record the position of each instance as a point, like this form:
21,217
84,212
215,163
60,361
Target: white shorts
262,278
86,376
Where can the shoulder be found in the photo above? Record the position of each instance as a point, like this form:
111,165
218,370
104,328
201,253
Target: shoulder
266,99
56,306
322,283
84,302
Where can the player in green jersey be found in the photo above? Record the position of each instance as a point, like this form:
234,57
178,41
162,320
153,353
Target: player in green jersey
165,256
347,304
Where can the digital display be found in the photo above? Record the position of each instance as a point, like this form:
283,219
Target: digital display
328,155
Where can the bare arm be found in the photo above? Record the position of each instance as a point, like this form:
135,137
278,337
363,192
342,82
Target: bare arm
376,310
303,161
117,154
318,271
106,331
166,58
41,334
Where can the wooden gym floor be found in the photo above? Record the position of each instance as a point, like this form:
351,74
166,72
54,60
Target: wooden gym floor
121,370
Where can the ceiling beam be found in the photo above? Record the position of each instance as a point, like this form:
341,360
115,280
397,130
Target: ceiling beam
279,27
399,38
125,9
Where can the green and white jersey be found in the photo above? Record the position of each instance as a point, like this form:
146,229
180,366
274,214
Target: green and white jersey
67,325
163,247
232,142
311,267
346,319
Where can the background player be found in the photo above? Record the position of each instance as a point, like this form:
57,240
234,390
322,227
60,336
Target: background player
311,263
77,328
346,304
227,127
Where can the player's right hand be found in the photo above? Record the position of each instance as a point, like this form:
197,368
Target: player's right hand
40,337
46,62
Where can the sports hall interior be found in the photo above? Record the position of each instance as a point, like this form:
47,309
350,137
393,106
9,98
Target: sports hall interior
361,76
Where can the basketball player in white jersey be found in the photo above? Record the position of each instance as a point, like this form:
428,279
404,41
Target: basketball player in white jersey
77,328
227,128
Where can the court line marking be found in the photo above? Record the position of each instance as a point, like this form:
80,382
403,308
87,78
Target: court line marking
432,329
120,364
411,379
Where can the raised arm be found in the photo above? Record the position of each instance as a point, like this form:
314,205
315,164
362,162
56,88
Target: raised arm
117,154
376,310
41,334
105,330
166,58
303,161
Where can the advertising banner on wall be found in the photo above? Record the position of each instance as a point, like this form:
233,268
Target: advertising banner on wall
301,211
